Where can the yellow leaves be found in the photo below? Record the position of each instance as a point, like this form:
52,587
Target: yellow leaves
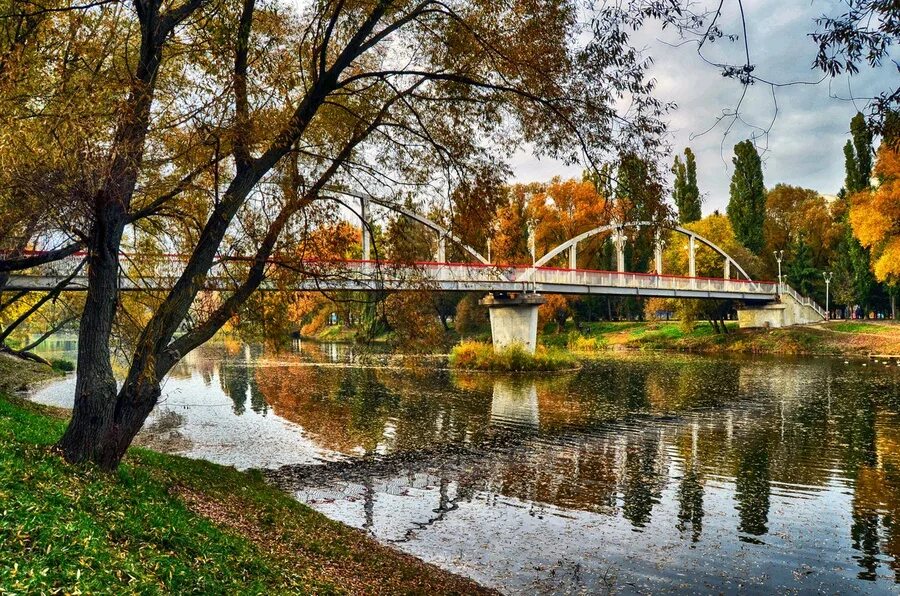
887,265
869,224
875,216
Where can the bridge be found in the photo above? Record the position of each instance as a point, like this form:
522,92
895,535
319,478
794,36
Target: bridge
514,291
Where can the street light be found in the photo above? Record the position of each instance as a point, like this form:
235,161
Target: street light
779,255
827,275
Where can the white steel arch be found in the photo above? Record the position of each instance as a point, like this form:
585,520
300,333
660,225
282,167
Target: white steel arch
442,232
569,244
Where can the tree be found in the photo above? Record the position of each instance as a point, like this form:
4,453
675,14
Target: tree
470,316
563,209
747,206
511,236
875,215
203,107
473,205
557,309
862,145
858,155
852,181
800,272
716,228
793,213
685,192
854,281
639,197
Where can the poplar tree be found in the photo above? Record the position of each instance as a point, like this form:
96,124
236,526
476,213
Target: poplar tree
854,280
862,144
747,207
686,193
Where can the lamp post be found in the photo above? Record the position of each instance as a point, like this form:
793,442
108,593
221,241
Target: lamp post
779,255
827,275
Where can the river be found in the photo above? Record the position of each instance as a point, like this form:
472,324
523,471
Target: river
639,473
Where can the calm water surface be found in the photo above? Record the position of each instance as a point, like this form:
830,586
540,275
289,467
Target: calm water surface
639,473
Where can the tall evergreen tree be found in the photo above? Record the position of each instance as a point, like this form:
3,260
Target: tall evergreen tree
747,207
862,143
685,192
852,182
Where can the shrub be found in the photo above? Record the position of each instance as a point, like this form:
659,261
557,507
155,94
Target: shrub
472,355
62,365
585,344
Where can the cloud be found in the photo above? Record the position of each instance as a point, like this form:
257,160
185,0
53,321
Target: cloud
805,141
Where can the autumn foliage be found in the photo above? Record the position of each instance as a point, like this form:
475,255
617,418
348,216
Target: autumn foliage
875,216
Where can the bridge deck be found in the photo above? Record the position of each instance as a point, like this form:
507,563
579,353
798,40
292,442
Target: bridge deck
387,276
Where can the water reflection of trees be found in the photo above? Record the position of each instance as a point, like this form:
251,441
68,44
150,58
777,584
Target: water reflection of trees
609,438
237,380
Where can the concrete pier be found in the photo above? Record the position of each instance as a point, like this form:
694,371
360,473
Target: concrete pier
788,311
514,319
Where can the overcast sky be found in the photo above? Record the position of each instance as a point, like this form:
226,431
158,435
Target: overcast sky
805,143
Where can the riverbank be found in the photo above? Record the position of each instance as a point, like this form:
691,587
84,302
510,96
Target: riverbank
173,525
836,338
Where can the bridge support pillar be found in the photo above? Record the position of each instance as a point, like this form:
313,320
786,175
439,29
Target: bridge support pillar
619,240
514,319
658,254
692,257
441,255
366,232
786,312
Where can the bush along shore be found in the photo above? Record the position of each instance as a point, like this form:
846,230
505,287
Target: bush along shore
166,524
473,355
836,338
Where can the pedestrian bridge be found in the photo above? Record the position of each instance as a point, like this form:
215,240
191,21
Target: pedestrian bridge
159,273
766,303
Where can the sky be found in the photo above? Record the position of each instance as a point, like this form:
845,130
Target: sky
812,123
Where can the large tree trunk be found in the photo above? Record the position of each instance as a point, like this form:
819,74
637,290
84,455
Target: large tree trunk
133,405
95,385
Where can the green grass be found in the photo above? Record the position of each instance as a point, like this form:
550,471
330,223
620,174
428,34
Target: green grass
78,530
472,355
853,338
860,327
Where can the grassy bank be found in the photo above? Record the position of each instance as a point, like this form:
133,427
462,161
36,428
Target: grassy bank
166,524
17,374
839,338
473,355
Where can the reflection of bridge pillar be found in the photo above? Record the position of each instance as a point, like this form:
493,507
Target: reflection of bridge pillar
515,402
514,320
366,233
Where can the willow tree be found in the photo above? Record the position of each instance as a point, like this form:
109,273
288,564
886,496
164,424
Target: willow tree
217,126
